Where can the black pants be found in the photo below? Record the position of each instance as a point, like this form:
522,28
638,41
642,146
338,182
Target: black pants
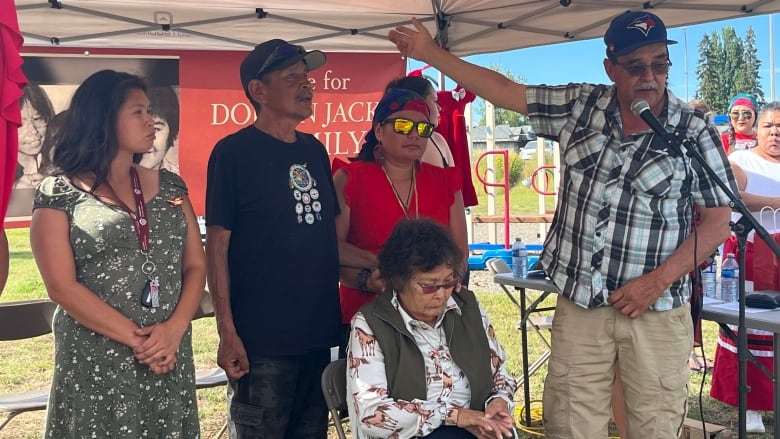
281,398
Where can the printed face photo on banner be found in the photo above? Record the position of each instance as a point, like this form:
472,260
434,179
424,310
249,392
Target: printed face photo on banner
52,81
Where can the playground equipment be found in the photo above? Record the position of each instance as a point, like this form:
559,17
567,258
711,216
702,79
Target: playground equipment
548,176
541,180
483,179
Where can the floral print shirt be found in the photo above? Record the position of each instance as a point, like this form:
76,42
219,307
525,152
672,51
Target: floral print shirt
374,414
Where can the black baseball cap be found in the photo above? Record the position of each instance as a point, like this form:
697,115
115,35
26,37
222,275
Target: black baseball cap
631,30
274,55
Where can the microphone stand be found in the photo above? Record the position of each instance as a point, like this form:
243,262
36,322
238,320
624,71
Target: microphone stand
741,229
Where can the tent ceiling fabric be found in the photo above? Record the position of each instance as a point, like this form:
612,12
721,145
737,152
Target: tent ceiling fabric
470,26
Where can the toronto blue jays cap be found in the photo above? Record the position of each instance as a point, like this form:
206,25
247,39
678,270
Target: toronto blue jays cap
632,30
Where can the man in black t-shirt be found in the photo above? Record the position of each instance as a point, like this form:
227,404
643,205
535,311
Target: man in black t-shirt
272,252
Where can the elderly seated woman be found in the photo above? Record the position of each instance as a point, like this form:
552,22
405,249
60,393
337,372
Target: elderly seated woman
423,358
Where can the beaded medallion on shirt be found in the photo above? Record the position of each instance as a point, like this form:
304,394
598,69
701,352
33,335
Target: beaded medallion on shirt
304,190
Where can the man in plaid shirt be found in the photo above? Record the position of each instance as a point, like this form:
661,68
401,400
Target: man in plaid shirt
620,247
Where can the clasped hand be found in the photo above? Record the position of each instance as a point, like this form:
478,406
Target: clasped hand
158,347
494,423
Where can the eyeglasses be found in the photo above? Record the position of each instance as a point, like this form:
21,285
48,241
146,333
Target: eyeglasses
430,289
660,68
747,115
281,52
405,126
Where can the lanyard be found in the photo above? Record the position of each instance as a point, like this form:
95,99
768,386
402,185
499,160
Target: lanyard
139,215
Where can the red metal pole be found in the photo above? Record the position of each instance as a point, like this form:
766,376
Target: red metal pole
505,185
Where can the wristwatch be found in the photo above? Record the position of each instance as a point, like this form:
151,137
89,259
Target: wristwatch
443,412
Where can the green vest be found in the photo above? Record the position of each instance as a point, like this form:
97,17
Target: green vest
404,363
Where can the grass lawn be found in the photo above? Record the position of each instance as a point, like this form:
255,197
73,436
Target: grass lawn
27,364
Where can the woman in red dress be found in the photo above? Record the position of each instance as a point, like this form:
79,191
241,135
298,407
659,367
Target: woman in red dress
387,183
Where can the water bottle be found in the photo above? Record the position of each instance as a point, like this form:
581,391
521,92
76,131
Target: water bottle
709,277
519,259
729,279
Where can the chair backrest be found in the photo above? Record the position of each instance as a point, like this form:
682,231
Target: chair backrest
334,389
334,384
206,308
25,319
497,265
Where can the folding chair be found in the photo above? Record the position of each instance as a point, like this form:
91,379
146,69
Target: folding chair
334,389
206,308
18,321
497,265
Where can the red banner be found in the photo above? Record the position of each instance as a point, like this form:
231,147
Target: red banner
211,104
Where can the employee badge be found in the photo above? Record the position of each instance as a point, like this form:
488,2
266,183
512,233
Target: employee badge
150,297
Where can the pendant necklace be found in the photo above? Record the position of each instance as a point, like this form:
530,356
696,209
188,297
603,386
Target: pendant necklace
412,188
150,294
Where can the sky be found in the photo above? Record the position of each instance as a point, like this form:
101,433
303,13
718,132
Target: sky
584,58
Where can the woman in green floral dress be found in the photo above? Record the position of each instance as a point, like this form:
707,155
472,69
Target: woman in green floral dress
119,250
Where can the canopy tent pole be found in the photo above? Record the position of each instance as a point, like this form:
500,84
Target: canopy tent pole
771,59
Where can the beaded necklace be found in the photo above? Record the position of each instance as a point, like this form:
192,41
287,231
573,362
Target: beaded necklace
412,188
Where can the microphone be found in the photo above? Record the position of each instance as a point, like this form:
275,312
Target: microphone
641,109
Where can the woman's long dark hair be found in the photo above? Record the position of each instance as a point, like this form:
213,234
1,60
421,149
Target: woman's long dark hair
87,143
418,84
34,95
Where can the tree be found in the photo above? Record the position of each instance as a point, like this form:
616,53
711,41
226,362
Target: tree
709,78
727,65
748,78
503,116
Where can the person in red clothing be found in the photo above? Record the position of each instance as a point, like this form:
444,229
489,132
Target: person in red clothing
437,152
387,183
757,172
742,124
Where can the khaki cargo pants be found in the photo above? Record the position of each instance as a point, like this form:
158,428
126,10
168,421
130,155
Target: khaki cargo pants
652,352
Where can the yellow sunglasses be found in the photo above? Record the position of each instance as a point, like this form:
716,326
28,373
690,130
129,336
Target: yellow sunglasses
405,126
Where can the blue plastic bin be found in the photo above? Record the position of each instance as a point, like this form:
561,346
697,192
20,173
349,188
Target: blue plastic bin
488,251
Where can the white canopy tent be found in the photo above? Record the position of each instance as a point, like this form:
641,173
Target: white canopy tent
465,26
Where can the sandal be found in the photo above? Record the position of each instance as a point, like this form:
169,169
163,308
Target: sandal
696,364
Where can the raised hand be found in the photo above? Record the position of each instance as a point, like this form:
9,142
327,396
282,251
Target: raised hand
415,43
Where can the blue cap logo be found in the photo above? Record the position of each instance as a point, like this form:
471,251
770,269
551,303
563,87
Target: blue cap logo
643,24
